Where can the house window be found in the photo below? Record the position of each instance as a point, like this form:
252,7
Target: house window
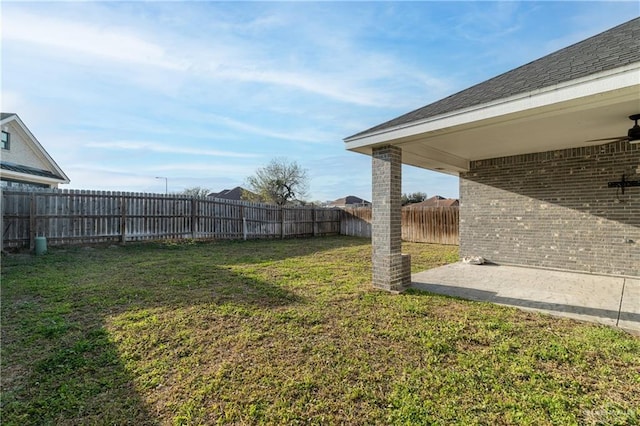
5,140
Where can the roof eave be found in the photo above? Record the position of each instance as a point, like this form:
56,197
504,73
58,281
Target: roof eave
618,84
619,78
26,177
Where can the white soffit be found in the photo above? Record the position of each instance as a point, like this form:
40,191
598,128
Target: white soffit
25,177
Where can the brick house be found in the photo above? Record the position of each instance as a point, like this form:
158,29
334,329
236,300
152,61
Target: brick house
538,151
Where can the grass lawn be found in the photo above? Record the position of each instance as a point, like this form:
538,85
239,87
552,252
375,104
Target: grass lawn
288,332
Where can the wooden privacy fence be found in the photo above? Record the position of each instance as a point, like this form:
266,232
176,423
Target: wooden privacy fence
419,224
84,217
431,225
81,217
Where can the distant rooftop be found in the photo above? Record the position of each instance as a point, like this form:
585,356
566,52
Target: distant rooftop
229,194
349,200
436,201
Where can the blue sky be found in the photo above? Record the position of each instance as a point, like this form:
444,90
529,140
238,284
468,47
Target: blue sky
204,93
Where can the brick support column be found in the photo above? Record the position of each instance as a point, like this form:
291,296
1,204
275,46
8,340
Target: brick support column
391,269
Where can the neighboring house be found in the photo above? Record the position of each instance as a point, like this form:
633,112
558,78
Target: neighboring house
230,194
436,201
543,161
24,163
349,201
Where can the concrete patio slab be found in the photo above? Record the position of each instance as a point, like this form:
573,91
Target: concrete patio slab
614,301
630,306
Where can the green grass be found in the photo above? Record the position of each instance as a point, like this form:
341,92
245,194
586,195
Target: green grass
288,332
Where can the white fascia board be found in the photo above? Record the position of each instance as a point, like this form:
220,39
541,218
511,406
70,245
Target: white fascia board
619,78
26,177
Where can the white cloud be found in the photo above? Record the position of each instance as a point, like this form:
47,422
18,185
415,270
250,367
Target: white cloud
488,22
204,169
166,149
113,43
307,82
110,180
297,135
143,178
33,113
344,73
149,171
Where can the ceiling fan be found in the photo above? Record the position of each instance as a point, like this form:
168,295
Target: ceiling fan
633,135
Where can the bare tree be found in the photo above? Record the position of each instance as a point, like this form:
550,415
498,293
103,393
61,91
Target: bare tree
279,182
196,191
414,197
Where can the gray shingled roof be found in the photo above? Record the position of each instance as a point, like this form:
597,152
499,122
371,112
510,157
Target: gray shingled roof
611,49
349,200
229,194
4,115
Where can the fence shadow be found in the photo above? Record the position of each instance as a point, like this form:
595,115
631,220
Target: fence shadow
246,252
61,364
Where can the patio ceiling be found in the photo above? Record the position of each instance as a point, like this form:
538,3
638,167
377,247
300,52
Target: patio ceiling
566,115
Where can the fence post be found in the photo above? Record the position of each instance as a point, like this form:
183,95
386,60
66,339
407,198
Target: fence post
32,221
314,217
123,220
244,223
244,228
194,216
282,222
2,210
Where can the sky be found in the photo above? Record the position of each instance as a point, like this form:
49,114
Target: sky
205,93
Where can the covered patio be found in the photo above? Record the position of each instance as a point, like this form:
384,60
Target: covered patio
548,161
609,300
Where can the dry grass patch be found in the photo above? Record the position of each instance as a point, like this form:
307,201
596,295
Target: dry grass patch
288,332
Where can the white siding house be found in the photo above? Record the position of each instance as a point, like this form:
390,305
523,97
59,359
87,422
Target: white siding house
24,163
